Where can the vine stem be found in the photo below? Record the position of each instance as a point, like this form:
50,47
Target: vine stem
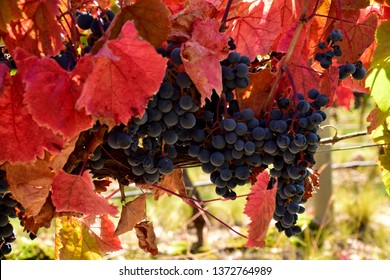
334,139
197,204
353,147
223,26
290,51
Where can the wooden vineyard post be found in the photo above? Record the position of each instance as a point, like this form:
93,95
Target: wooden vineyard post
322,199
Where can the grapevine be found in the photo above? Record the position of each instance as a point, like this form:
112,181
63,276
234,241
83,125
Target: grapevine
137,92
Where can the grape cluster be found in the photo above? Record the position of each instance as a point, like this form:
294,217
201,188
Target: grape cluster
97,26
7,206
293,145
331,50
325,57
357,71
230,144
150,142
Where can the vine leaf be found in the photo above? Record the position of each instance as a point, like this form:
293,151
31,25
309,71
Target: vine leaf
378,80
72,193
132,213
38,31
258,89
51,93
146,237
151,19
133,72
173,181
202,54
42,219
260,209
255,30
9,11
376,118
104,229
30,183
183,20
85,239
358,34
17,142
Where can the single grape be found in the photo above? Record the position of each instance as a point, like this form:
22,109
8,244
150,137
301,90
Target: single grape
84,20
183,80
247,114
322,100
170,137
175,56
171,118
217,159
154,129
242,172
321,45
228,73
151,178
318,56
359,74
241,129
186,102
218,142
231,137
166,90
270,147
242,82
226,174
335,36
325,62
241,70
204,156
110,15
233,57
165,166
228,124
187,121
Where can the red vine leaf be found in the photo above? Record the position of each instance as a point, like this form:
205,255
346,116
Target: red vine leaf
173,181
42,219
376,118
182,22
202,54
104,229
39,32
151,19
9,11
30,183
255,30
146,237
358,34
260,209
312,183
51,93
72,193
132,213
133,72
21,138
259,89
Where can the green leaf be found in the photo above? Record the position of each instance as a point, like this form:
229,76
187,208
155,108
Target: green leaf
75,241
381,135
385,166
379,78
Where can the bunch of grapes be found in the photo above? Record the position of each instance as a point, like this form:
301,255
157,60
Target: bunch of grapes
230,144
331,50
7,210
295,140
